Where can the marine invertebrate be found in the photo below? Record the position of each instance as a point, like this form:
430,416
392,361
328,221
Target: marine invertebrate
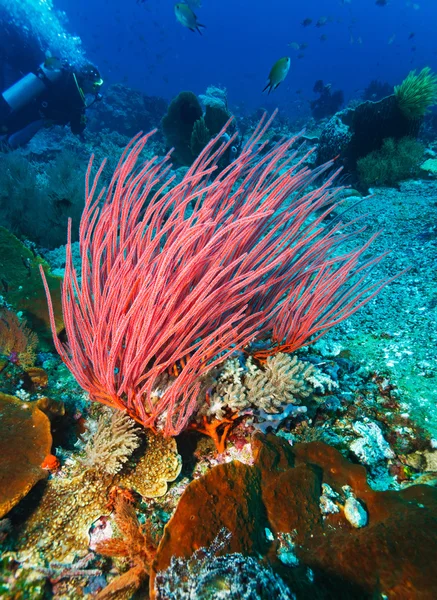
417,93
394,161
230,577
328,102
200,270
284,379
17,341
349,550
159,465
109,443
135,542
25,441
178,124
22,287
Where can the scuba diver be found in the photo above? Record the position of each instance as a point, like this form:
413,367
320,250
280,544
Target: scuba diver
54,94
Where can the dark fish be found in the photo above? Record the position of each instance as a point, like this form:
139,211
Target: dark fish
306,22
187,18
278,73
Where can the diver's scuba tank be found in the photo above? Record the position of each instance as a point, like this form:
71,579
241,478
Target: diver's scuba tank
28,87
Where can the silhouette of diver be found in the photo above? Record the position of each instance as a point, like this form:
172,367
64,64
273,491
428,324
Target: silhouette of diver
50,93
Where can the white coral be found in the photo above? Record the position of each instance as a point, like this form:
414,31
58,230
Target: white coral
284,380
109,441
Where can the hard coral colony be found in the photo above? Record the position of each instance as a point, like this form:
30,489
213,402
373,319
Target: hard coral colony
200,270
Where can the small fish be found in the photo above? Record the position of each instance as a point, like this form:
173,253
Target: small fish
303,46
52,63
306,22
391,39
381,2
322,21
294,45
323,38
278,73
187,18
412,34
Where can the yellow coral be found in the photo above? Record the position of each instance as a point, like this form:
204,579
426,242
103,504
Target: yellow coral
160,464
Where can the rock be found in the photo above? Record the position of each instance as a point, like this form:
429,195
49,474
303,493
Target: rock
355,513
430,460
371,448
430,167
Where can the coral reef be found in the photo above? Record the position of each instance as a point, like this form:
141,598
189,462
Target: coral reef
395,161
126,111
22,285
135,542
36,198
159,465
178,123
417,93
109,442
74,499
217,114
230,577
347,552
355,132
376,90
17,342
328,102
25,442
188,130
294,282
283,380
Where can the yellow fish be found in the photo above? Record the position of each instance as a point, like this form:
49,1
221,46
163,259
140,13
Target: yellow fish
278,73
186,17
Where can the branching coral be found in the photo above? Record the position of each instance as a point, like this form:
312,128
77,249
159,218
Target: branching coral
137,543
109,442
417,93
283,380
17,341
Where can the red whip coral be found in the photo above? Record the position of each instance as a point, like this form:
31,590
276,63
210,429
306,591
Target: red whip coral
199,270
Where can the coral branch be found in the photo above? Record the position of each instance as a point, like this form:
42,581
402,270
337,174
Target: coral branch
199,270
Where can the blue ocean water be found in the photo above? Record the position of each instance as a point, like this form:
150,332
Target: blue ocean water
222,386
142,45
